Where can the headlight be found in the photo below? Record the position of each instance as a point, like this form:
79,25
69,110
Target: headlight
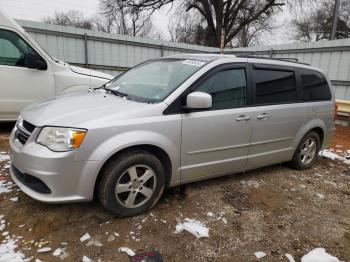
61,138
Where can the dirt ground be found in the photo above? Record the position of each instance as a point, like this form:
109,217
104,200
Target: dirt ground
275,209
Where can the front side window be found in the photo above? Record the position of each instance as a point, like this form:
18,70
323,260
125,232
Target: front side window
227,88
154,80
274,86
315,86
13,50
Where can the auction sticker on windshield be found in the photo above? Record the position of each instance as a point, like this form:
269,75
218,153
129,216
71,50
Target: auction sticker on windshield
193,62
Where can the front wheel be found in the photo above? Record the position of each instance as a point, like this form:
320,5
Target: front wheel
307,151
131,183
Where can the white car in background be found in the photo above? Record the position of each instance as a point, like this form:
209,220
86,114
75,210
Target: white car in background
28,73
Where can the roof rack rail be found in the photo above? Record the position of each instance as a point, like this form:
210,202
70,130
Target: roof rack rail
287,59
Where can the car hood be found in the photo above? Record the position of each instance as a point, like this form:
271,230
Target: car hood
77,108
89,72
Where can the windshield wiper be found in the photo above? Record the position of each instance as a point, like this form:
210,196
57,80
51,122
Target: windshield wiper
116,92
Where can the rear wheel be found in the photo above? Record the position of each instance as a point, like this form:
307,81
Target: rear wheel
307,151
132,183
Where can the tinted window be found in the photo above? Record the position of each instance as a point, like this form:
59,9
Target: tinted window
274,87
13,49
315,86
227,88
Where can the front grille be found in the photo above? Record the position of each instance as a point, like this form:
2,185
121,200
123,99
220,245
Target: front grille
28,126
22,138
32,182
24,130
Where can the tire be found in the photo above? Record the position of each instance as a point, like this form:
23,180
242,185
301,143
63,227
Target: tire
306,154
131,183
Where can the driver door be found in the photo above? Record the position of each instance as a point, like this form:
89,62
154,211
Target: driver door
215,141
19,85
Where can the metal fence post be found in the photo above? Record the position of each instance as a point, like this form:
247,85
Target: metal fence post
86,51
161,47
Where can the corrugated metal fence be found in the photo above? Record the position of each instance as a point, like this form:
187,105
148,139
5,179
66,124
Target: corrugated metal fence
332,56
110,53
115,53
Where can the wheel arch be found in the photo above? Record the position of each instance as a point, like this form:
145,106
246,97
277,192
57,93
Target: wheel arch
317,126
320,133
158,152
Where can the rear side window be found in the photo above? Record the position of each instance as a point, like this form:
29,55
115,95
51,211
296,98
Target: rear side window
315,86
274,86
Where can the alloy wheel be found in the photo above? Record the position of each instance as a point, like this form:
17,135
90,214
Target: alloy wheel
308,151
135,186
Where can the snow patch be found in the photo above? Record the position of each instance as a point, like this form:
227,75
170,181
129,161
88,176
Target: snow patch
61,253
251,183
319,255
260,254
194,227
44,250
5,187
110,238
85,237
8,253
290,257
329,154
14,199
127,251
320,195
86,259
4,156
95,243
210,214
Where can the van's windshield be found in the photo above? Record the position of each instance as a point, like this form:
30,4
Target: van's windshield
153,81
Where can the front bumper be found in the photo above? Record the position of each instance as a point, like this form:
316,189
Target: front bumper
67,179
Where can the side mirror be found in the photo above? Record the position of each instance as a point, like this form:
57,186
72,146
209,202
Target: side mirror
199,100
34,61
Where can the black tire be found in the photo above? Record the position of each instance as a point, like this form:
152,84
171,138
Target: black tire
297,162
118,169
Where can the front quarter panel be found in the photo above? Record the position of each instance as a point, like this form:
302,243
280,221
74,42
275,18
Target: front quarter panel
100,144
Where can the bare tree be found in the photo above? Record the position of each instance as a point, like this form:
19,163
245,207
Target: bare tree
71,18
251,34
231,15
317,23
186,28
126,19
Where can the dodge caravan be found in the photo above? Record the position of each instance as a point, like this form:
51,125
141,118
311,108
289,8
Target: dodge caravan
167,122
28,73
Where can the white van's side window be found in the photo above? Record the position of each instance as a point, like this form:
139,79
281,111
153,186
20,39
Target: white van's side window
13,50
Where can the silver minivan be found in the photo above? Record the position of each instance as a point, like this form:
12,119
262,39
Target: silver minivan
167,122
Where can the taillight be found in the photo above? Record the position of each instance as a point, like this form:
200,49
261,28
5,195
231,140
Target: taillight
335,112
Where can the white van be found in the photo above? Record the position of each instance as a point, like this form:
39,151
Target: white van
28,73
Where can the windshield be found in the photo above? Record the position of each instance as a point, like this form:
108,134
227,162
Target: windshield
154,80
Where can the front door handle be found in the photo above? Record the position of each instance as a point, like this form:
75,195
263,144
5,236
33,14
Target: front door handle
263,116
243,118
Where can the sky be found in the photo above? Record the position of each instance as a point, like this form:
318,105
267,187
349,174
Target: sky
36,10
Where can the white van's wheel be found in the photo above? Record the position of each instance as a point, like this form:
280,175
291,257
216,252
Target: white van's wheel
131,183
307,151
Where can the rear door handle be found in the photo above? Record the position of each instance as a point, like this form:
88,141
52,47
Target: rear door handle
243,118
263,116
